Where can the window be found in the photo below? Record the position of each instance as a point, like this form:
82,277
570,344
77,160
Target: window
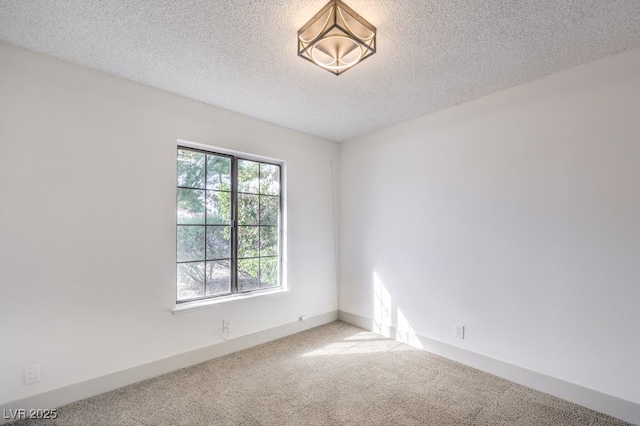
228,225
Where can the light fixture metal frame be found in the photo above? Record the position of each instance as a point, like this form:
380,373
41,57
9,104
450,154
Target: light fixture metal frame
305,47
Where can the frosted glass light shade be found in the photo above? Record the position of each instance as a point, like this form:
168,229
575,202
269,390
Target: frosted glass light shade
336,38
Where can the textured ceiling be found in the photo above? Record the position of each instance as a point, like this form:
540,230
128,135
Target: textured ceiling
241,54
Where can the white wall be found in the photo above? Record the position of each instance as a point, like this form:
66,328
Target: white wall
516,215
87,223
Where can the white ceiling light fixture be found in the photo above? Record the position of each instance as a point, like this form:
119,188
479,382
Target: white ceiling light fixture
336,38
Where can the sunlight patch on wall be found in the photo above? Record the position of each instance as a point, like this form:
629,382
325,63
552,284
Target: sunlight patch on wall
405,333
388,318
382,319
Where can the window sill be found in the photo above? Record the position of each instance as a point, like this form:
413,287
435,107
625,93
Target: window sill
183,308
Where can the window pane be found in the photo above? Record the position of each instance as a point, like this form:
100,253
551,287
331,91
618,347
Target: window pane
269,207
248,176
190,169
269,179
248,271
268,241
190,206
218,208
247,209
190,280
207,209
248,241
268,271
218,242
218,277
190,243
218,173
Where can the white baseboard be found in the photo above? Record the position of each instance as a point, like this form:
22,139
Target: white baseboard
598,401
77,391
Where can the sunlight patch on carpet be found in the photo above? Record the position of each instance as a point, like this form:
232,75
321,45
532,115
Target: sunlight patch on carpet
361,343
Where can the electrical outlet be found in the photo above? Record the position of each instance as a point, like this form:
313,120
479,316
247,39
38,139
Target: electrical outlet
32,374
458,331
226,326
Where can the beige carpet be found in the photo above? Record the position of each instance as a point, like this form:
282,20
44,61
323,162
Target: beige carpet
336,374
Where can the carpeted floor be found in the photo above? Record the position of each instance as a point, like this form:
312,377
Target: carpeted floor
335,374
